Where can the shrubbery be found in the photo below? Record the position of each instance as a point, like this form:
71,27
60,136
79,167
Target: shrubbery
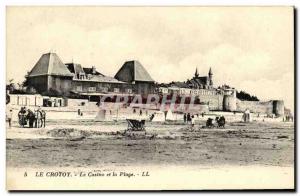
242,95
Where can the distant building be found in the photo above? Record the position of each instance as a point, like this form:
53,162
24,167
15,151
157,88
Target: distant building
88,81
134,73
50,75
203,82
198,85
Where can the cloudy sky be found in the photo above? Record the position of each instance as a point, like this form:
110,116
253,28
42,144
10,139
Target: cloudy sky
250,48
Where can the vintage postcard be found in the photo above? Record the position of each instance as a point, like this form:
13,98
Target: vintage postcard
150,98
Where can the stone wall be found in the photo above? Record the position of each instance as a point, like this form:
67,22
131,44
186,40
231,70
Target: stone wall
255,106
215,102
76,102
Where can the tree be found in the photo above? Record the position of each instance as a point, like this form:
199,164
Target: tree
31,90
11,85
25,82
242,95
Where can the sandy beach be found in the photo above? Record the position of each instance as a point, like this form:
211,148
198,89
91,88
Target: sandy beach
83,144
237,144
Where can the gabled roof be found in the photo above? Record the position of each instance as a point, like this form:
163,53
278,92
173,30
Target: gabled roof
90,71
74,68
49,64
201,80
133,71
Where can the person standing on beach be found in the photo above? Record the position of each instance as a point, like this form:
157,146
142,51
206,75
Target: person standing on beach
31,118
9,117
188,118
43,118
184,118
193,121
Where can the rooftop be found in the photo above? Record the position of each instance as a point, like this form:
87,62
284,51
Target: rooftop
49,64
133,71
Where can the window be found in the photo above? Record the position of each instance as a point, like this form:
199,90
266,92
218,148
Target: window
92,89
105,89
81,77
78,88
116,90
129,90
89,76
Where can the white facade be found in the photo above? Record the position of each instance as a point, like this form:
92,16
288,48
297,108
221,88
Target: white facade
163,90
26,100
186,91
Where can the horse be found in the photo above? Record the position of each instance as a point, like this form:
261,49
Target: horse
31,118
35,119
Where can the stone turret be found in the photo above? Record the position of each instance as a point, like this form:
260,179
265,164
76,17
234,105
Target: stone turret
278,107
229,101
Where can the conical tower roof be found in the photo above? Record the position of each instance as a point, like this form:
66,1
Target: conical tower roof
133,71
50,64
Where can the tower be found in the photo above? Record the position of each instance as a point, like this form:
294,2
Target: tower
210,74
196,73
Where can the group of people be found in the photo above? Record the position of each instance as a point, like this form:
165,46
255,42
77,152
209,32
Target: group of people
219,122
35,118
288,118
189,119
141,112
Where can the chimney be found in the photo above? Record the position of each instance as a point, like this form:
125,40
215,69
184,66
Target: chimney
93,70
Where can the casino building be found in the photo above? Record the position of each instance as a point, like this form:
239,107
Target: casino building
50,75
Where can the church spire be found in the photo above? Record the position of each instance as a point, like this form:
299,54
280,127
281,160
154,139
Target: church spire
196,73
210,72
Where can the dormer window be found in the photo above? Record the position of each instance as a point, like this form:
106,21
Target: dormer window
89,76
93,70
81,76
